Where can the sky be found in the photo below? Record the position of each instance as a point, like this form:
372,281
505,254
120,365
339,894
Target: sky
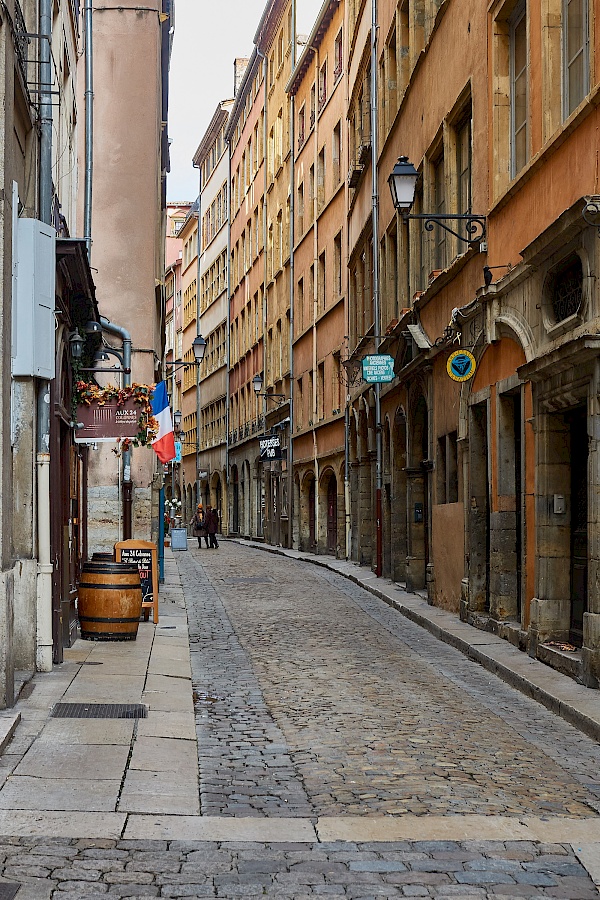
209,34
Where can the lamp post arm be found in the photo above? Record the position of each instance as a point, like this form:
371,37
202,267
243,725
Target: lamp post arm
474,226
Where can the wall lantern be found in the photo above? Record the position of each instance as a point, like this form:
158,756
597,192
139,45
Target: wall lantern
76,343
403,182
177,416
199,348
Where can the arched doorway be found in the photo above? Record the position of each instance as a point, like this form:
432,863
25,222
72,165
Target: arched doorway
312,509
332,515
418,489
235,525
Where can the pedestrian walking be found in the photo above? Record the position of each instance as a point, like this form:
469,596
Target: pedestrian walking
200,525
212,525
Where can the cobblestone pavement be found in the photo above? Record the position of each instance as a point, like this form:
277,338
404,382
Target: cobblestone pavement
314,697
74,869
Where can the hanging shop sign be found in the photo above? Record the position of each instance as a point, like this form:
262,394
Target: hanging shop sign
107,422
270,448
114,414
378,368
461,365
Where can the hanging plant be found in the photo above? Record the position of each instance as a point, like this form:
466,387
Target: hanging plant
86,393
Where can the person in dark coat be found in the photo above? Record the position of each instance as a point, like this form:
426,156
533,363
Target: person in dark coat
212,526
200,525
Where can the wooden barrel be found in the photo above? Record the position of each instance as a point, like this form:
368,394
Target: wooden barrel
109,601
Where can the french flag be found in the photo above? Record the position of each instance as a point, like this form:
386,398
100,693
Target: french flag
164,442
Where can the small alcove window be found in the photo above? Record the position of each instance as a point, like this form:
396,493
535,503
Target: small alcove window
566,288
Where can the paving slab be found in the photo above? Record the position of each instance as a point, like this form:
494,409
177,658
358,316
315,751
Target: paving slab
25,792
80,761
589,856
167,755
217,828
96,688
88,731
421,828
168,725
72,825
558,829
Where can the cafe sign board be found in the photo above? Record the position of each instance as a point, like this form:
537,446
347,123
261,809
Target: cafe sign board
107,421
378,368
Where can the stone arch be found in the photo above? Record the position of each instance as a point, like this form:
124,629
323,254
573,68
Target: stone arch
328,537
308,512
364,505
398,463
417,472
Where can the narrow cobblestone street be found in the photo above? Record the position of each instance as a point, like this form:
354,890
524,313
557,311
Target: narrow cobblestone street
342,751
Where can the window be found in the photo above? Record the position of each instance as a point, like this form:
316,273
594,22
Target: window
313,105
336,148
323,85
518,90
439,204
300,306
337,56
321,179
463,165
301,125
300,208
337,264
321,391
575,53
321,284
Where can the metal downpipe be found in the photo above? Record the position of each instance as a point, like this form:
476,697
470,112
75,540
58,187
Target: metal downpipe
89,127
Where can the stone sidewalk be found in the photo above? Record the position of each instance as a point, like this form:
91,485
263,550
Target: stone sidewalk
578,705
84,776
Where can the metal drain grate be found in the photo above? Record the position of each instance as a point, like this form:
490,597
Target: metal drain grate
99,711
8,891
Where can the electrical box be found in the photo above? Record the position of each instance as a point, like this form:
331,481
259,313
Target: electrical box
559,505
33,351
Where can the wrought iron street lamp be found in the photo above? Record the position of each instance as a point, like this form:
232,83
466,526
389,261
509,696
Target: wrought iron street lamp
199,348
403,182
257,383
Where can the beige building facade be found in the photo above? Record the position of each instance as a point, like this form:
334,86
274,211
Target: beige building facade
131,49
318,86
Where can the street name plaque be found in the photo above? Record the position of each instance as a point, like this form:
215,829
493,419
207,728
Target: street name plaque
378,368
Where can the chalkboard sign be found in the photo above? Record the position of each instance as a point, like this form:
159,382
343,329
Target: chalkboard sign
144,553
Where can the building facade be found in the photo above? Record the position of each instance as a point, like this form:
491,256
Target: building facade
245,136
476,486
320,286
131,53
212,315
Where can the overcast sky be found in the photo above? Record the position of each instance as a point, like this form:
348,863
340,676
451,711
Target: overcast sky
209,34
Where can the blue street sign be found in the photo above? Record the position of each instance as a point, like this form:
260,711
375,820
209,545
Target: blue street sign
177,451
378,368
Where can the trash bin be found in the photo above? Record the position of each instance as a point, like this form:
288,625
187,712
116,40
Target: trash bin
179,539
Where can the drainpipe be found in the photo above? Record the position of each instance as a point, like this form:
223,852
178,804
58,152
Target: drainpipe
89,128
111,328
228,347
44,642
376,297
290,461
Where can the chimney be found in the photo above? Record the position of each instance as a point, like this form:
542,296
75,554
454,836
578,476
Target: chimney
239,67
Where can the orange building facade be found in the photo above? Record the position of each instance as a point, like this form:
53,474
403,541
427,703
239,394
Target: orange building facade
479,490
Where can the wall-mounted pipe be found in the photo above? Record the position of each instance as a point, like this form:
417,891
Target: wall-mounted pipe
44,638
125,336
89,127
